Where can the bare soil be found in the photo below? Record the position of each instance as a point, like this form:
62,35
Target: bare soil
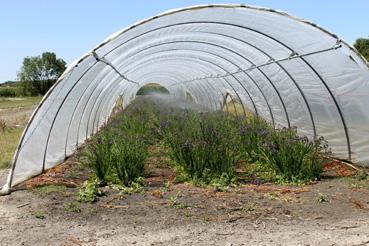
334,211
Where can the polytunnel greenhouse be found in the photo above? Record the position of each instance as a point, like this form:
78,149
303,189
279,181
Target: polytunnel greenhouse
286,70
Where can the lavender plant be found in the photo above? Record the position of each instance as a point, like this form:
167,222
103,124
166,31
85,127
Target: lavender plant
294,158
202,144
98,156
253,133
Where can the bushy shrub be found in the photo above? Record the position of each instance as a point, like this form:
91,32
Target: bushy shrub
253,132
98,155
129,155
119,152
202,144
294,158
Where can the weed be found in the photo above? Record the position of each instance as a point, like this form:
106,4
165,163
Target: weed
248,207
135,187
158,193
188,214
8,92
223,183
167,185
273,195
39,214
8,142
172,201
73,206
181,206
90,191
322,198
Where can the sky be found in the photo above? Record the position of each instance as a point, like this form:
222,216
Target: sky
71,28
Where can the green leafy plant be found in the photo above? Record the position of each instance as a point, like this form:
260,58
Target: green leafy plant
322,198
136,186
39,214
73,206
90,191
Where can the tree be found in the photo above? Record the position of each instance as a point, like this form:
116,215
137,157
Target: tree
39,73
362,45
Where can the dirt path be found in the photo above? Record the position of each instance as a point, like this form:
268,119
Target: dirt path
247,215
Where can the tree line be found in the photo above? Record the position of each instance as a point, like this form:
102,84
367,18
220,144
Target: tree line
36,76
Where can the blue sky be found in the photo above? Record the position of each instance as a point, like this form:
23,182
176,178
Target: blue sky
70,28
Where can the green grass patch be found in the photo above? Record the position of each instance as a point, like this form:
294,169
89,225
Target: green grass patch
19,102
8,144
47,189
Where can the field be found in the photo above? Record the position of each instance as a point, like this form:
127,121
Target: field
14,114
255,210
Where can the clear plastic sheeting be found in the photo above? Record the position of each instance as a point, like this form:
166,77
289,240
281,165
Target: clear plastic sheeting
287,70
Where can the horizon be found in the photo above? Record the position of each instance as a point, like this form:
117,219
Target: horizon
85,26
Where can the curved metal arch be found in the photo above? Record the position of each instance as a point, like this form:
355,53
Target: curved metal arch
172,74
99,93
92,93
117,93
6,188
244,6
205,81
56,115
95,84
227,94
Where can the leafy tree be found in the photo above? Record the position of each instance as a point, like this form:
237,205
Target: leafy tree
39,73
362,45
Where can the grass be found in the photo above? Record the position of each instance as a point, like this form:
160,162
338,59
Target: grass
18,102
39,214
8,143
9,137
47,189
